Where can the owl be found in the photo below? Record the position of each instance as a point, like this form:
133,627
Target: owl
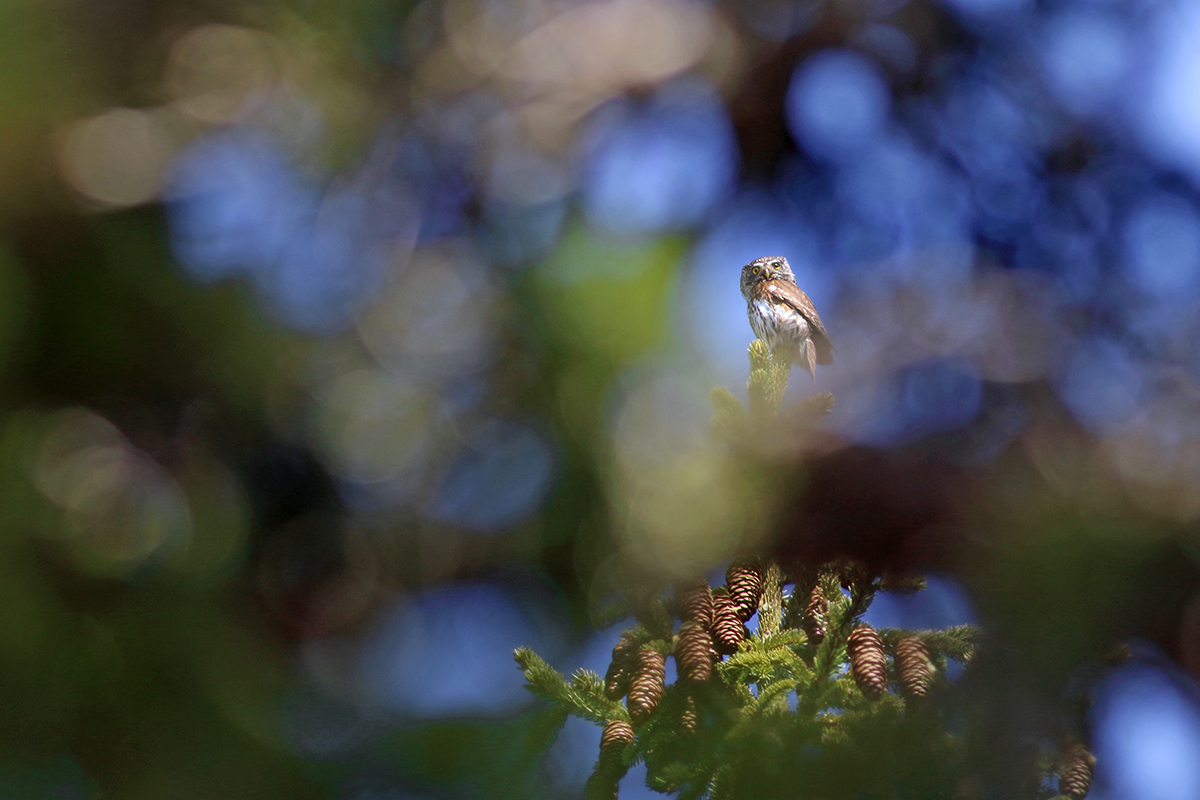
782,315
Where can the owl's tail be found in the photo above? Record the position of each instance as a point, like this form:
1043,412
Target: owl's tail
807,357
824,347
804,356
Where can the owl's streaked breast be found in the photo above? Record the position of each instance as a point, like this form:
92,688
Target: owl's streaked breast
776,324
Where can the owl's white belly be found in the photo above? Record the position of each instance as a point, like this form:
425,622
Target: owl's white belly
780,326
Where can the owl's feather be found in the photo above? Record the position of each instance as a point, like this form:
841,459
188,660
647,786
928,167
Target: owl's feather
792,295
783,316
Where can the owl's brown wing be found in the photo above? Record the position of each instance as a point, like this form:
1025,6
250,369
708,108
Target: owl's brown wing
791,294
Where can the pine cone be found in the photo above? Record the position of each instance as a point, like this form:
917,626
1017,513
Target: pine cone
688,718
914,669
692,652
694,601
617,733
620,669
646,688
1075,771
868,664
745,581
816,616
727,629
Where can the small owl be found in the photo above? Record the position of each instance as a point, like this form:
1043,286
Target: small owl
782,315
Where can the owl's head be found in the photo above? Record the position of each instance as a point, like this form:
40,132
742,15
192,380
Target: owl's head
765,269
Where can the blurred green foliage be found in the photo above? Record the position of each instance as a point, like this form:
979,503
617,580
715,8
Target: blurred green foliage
173,542
610,301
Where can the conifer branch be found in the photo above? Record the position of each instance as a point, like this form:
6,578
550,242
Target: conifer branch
862,592
583,696
639,634
957,642
768,696
830,654
693,790
707,736
804,580
612,613
770,608
653,617
721,785
669,777
753,667
729,418
785,637
768,381
835,693
545,727
661,724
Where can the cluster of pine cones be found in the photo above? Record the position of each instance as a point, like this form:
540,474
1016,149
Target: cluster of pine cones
713,625
868,664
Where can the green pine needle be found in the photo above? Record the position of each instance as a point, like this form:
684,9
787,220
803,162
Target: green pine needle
583,696
742,715
770,607
768,381
773,692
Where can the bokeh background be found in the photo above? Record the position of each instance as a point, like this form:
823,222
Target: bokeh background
347,345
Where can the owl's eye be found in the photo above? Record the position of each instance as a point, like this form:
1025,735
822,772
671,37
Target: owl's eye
755,270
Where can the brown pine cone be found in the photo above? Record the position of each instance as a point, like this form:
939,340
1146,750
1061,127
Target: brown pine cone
620,669
694,601
868,664
692,652
816,616
914,669
727,629
745,581
616,734
688,718
646,688
1075,771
